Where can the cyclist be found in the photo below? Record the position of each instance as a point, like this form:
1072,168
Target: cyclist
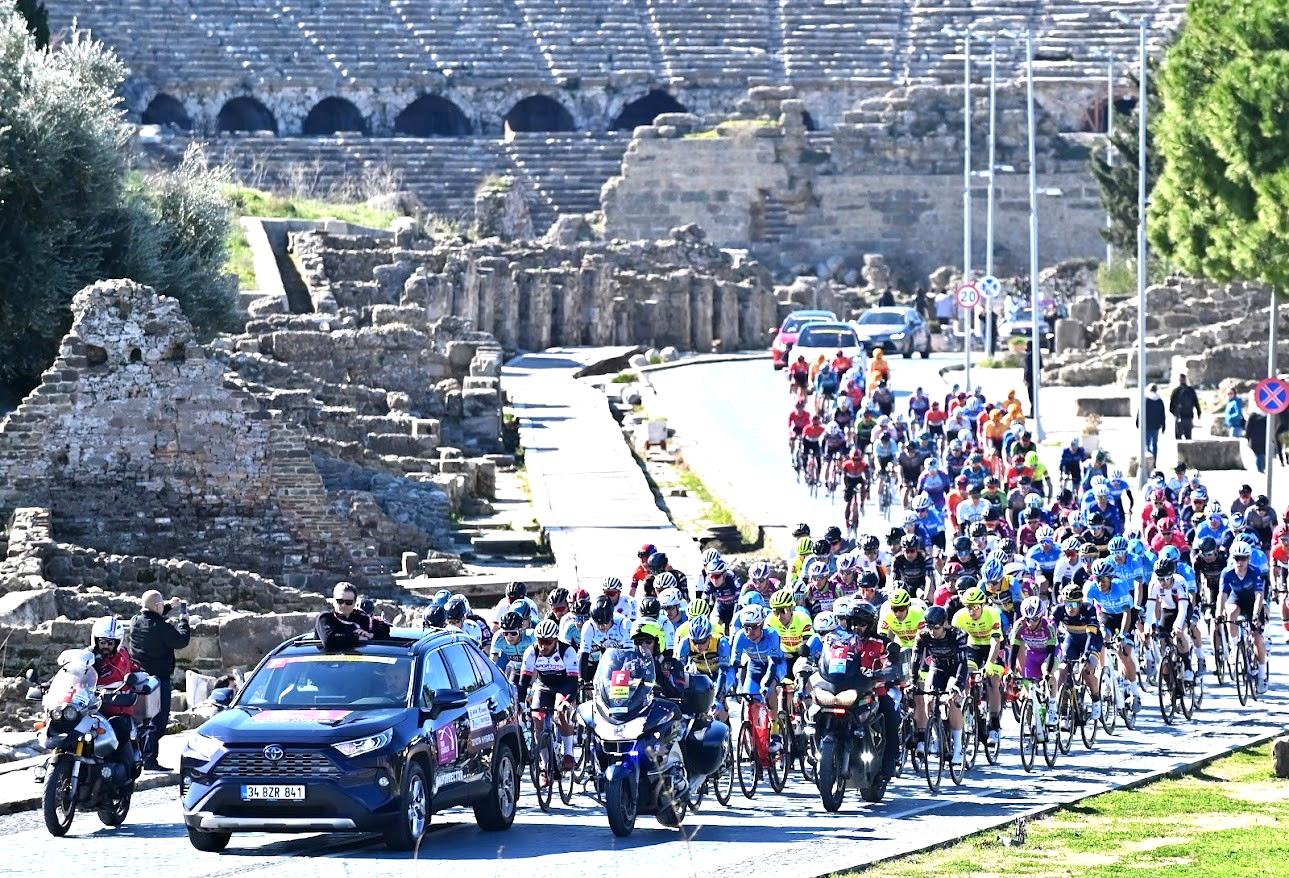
509,644
1113,598
901,620
820,589
570,630
701,645
517,599
760,579
909,462
722,588
872,558
885,450
854,480
605,630
1003,593
914,568
940,657
673,614
458,615
1243,595
1045,553
760,650
1073,456
930,519
659,563
1033,641
805,549
551,669
798,420
834,449
624,606
827,382
799,376
983,627
1077,620
847,577
811,437
791,623
865,427
966,556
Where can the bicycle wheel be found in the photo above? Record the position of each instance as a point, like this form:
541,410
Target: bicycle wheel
907,752
992,751
1048,735
1066,716
1109,709
933,762
1164,689
1221,653
1194,691
566,779
1241,675
971,727
544,771
745,764
723,781
958,768
781,762
808,752
1028,735
1087,725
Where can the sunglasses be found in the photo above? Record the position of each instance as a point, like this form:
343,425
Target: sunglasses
510,633
936,627
545,641
344,602
751,627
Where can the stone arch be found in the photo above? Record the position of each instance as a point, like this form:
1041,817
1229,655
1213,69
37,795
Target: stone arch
432,116
166,110
1093,119
245,113
331,116
539,113
642,111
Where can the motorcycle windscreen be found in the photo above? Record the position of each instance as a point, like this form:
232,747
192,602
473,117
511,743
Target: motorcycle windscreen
623,684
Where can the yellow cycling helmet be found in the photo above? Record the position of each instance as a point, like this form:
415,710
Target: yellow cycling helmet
973,597
900,598
805,546
783,599
699,607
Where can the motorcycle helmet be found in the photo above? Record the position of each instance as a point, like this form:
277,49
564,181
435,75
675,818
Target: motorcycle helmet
107,628
863,619
457,608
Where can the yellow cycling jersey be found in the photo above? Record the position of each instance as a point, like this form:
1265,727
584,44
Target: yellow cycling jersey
982,631
682,633
794,634
904,632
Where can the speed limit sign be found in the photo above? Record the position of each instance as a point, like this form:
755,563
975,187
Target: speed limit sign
968,295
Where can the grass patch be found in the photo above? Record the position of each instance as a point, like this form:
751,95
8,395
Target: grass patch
1118,279
625,378
1222,821
715,513
1011,360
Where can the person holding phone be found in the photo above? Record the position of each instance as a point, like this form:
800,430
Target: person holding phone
154,640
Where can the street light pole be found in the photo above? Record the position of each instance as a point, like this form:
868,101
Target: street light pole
968,321
1109,150
989,222
1141,259
1271,373
1036,341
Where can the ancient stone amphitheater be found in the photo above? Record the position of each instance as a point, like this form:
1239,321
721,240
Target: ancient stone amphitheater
345,86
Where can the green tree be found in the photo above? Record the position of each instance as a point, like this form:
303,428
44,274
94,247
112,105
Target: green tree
37,20
1221,207
72,211
1118,181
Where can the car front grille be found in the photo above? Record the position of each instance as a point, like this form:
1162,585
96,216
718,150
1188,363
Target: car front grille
297,763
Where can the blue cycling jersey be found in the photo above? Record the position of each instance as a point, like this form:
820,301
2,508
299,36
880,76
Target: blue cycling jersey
503,652
761,655
1044,556
1118,599
1234,584
1206,530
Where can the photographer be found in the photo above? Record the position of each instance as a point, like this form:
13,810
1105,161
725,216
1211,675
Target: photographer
153,643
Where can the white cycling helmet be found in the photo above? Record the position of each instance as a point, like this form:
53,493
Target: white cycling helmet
547,629
1031,607
751,615
846,563
817,569
1241,549
671,598
759,571
825,623
107,628
709,556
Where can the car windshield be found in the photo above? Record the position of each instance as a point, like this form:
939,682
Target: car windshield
881,318
826,337
623,683
351,680
1023,315
794,324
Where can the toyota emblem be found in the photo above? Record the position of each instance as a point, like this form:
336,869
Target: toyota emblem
273,753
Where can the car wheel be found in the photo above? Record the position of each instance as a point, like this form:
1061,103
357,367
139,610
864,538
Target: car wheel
414,811
209,842
497,812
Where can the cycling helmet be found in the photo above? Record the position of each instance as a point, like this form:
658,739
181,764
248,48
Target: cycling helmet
546,630
922,502
979,530
910,518
1002,556
863,619
1118,545
991,570
107,628
611,583
872,544
805,546
825,623
900,598
1164,567
1207,546
1033,500
751,615
557,597
1071,544
834,430
457,609
1237,520
700,629
1045,534
645,551
962,544
1172,553
670,598
1239,549
1031,607
1200,493
832,534
699,607
801,530
602,610
910,541
650,606
816,569
1096,519
709,556
1097,480
441,597
665,581
973,596
646,627
760,571
512,621
657,562
1015,568
822,547
751,599
936,616
783,599
869,579
842,606
437,618
516,590
846,563
1089,550
716,567
1103,568
1072,593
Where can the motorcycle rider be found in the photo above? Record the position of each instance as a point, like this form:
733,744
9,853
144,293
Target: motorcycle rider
113,664
878,657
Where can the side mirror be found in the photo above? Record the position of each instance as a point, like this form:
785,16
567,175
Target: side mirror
221,697
35,693
448,699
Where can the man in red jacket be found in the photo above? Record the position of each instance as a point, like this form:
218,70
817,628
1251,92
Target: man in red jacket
113,664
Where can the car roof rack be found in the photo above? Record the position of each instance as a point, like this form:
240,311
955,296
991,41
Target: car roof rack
397,636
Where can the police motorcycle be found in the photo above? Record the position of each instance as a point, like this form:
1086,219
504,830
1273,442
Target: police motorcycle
848,726
650,750
82,770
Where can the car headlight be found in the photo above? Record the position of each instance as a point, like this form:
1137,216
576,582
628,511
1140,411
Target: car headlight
896,336
361,746
202,747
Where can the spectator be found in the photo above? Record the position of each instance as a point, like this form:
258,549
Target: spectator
1255,432
1028,366
153,643
1183,403
345,626
886,299
1234,414
1154,420
920,303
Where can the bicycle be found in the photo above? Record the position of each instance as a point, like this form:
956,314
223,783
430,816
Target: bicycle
885,494
752,756
1246,687
1073,709
1168,680
852,510
830,478
938,746
544,770
812,473
1034,725
795,726
1122,699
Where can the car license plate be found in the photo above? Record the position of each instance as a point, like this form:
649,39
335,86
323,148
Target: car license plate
272,793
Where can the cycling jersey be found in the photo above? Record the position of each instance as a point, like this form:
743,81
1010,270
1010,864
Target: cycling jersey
525,607
982,631
885,450
1045,556
507,655
798,419
1039,639
1082,632
1112,604
1235,585
552,672
570,630
764,656
913,572
902,631
792,636
945,656
595,642
820,600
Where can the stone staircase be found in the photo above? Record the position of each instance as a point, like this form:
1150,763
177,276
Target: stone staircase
567,170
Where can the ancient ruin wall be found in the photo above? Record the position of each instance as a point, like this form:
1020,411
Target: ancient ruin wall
140,445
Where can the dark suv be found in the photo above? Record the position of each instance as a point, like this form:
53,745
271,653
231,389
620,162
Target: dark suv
376,738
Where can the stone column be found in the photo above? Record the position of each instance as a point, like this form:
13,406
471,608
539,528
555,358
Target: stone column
726,312
701,327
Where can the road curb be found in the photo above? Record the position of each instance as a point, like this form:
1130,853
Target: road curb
1174,771
33,803
705,359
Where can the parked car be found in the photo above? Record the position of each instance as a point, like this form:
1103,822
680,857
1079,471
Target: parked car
1021,324
894,330
375,738
828,339
786,336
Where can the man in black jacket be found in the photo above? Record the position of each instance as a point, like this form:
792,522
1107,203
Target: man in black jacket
153,643
1184,405
344,626
1154,420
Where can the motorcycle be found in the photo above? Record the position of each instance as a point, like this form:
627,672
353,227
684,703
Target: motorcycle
649,751
849,736
81,770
